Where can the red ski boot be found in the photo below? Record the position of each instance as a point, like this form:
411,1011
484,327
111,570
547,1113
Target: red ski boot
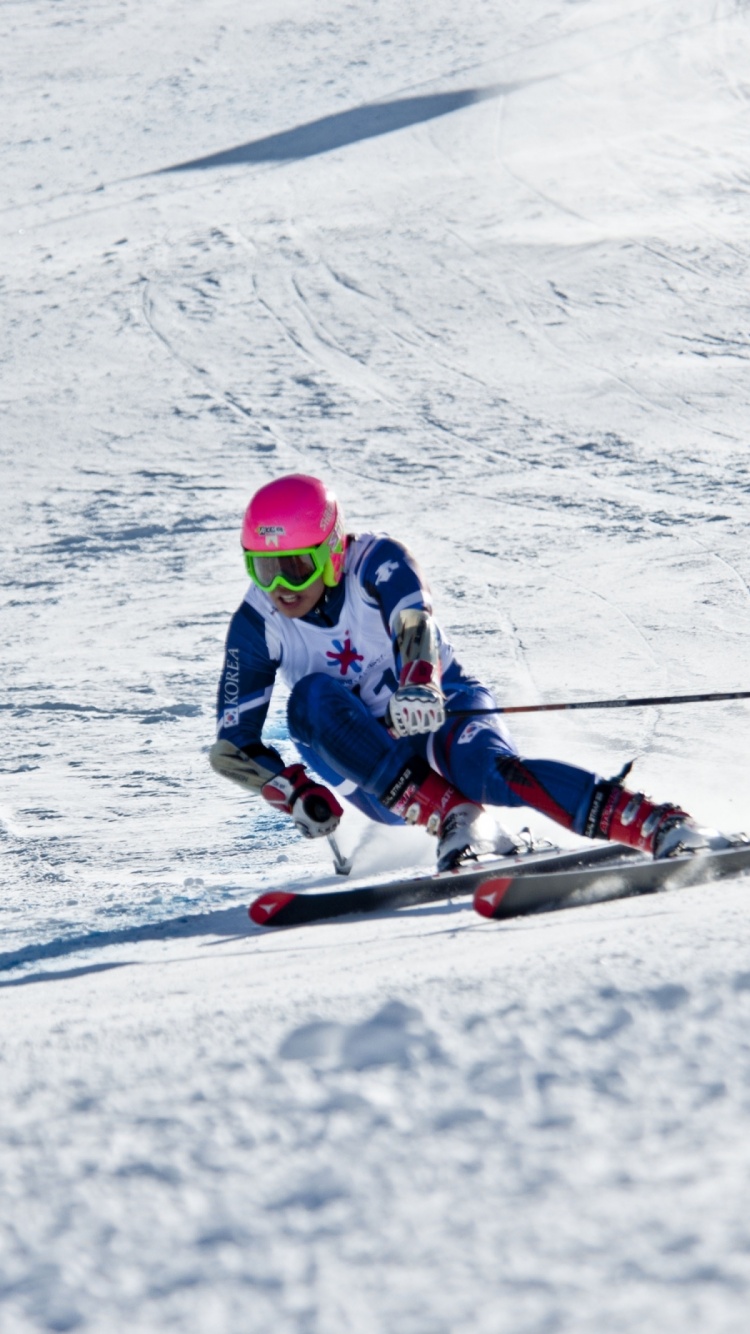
423,797
664,830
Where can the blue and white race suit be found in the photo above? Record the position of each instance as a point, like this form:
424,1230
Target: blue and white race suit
341,665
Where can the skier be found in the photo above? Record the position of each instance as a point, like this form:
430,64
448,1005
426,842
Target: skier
378,699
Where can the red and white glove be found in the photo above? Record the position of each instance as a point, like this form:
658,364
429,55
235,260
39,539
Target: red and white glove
418,705
312,806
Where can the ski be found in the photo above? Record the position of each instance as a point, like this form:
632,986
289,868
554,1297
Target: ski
509,894
278,907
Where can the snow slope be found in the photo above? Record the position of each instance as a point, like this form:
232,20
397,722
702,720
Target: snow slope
486,268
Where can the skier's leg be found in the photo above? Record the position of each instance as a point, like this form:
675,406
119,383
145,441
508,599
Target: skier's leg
336,732
479,760
355,795
478,755
482,761
330,721
471,763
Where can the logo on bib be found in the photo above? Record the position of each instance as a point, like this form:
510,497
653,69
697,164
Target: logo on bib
346,656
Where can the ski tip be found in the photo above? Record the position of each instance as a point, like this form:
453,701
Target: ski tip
264,909
490,895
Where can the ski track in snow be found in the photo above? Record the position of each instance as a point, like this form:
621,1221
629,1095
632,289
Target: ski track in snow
515,334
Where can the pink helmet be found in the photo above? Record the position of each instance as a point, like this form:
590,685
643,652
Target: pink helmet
296,514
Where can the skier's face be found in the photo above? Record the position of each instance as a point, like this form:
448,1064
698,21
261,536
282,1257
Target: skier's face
294,604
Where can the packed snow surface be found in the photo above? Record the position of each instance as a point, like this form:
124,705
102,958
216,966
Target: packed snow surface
486,269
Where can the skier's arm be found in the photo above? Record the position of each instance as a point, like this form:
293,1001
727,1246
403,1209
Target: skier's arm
418,704
250,766
239,752
394,580
288,788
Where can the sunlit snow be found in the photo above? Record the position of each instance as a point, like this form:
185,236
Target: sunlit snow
484,267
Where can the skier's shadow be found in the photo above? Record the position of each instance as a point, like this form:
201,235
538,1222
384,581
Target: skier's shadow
228,922
348,127
59,975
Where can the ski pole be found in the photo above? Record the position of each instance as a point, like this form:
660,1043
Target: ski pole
645,701
342,865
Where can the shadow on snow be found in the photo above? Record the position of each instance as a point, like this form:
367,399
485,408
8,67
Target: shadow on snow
347,127
222,922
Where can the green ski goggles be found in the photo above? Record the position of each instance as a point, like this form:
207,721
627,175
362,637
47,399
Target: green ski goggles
294,570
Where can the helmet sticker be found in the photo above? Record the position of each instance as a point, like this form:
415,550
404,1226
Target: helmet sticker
272,532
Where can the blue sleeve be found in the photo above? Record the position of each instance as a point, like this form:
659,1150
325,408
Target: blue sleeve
247,680
393,580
